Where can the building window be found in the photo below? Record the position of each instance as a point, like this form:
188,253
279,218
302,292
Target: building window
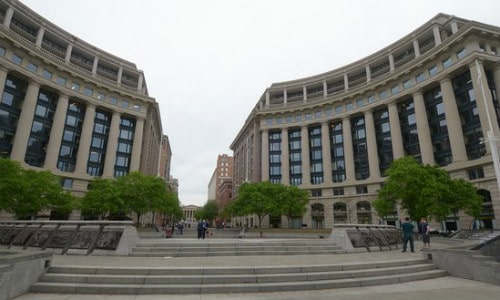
101,96
269,121
395,90
370,99
407,84
61,81
360,103
362,189
339,191
315,193
47,74
32,67
308,117
113,100
2,51
349,106
447,62
88,91
125,104
433,70
67,183
420,77
462,53
475,173
382,95
338,109
16,59
75,86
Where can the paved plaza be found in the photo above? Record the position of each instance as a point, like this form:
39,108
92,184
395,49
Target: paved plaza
440,288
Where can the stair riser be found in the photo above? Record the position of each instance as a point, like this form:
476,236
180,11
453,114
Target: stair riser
237,288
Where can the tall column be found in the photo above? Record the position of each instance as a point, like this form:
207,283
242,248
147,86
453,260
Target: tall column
368,73
114,130
265,155
485,103
3,78
416,48
94,66
285,97
8,17
371,144
25,121
56,132
396,137
348,150
85,140
424,132
326,151
391,62
268,99
68,53
304,94
437,35
140,82
39,37
119,76
454,124
306,161
346,82
325,89
137,145
285,158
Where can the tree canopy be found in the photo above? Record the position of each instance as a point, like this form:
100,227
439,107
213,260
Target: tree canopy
25,192
133,193
425,191
208,212
265,198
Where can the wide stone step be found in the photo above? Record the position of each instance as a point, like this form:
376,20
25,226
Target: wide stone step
191,280
234,249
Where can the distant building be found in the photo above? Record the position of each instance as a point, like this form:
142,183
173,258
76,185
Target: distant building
189,212
433,95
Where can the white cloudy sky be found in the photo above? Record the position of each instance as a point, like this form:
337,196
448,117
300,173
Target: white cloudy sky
207,62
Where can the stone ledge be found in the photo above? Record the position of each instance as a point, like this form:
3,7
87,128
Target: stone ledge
21,270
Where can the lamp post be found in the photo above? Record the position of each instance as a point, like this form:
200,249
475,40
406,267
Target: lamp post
491,138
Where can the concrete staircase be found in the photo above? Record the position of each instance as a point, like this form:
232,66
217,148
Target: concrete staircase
233,248
206,280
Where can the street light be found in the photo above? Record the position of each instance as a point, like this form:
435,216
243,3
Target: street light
491,138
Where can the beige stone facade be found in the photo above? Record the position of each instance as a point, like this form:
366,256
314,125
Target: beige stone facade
69,107
432,95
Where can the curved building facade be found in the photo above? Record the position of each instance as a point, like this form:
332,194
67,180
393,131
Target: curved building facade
432,94
69,107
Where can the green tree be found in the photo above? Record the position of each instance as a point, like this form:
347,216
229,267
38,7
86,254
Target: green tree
26,192
208,212
292,202
142,193
265,198
425,191
102,199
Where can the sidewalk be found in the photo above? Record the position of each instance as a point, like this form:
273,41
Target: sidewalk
441,288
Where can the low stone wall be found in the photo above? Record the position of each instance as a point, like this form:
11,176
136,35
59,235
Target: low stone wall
18,271
468,264
369,237
74,237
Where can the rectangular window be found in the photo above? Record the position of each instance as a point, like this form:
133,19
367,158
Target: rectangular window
32,67
407,84
447,62
47,74
420,77
298,118
269,121
67,183
349,106
113,100
382,95
88,91
2,51
338,191
316,193
462,53
101,96
370,99
360,103
395,90
61,81
362,189
433,70
16,59
75,86
476,173
338,109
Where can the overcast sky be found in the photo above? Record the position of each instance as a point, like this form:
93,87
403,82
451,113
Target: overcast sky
207,63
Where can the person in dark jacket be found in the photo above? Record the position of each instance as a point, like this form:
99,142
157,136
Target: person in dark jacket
408,235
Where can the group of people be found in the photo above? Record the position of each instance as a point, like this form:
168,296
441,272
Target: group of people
423,231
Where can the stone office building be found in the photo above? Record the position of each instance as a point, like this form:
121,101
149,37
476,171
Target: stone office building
433,95
69,107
